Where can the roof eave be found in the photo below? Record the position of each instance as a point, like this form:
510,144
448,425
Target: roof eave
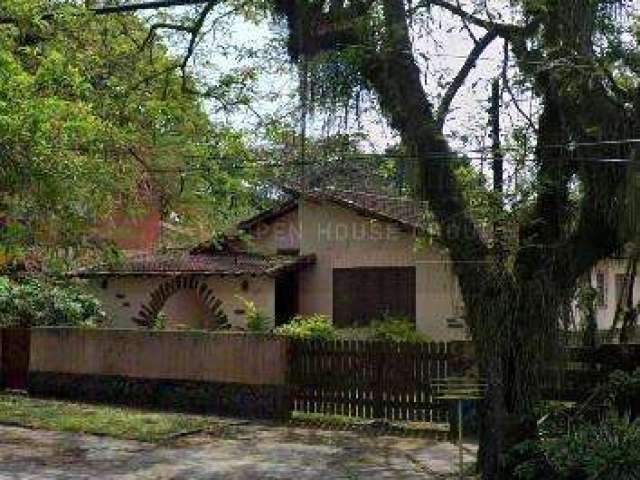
161,273
407,226
269,215
301,262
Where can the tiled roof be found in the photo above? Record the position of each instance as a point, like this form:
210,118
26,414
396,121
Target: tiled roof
267,215
408,212
207,264
405,211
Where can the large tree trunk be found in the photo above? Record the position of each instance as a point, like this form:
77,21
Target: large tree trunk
513,313
498,309
515,334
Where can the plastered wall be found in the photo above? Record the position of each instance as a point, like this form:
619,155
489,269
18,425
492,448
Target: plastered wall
123,297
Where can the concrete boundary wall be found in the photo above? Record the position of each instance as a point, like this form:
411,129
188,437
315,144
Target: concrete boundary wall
236,374
232,358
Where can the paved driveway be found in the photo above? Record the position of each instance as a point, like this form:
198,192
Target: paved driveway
247,451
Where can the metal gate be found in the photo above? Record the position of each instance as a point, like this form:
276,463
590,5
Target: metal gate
16,344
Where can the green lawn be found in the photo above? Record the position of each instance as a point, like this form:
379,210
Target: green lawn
157,427
341,422
115,422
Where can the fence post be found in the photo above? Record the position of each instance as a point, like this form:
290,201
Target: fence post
15,352
291,374
378,391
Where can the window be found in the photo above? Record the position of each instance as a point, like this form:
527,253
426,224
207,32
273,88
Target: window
363,294
601,288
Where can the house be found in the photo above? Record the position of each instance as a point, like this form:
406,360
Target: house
349,255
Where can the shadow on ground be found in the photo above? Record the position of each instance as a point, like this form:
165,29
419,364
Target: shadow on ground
244,451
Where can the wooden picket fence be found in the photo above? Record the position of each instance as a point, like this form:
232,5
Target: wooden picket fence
369,379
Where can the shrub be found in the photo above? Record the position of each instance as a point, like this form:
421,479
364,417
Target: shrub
529,462
607,451
257,320
396,329
604,451
313,327
36,303
160,322
623,389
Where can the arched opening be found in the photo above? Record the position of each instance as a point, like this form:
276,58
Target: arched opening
184,309
192,296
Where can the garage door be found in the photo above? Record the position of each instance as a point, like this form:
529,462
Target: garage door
364,294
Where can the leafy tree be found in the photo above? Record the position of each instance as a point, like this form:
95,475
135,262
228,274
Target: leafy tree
94,121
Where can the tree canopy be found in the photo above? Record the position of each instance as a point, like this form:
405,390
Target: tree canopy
94,121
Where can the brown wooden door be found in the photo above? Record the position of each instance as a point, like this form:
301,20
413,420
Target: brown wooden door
364,294
16,344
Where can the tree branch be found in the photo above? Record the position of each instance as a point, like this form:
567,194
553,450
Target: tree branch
394,76
163,25
133,7
152,76
4,20
195,30
505,30
114,9
507,87
462,75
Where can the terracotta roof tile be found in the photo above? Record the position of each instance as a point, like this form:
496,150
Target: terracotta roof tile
225,264
406,211
409,213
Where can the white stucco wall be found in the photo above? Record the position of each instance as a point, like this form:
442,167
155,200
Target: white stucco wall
342,238
281,234
124,296
610,268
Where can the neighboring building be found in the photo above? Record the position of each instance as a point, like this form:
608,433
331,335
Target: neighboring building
135,230
351,256
609,278
133,234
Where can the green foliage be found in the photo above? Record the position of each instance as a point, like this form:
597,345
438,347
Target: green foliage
35,303
321,420
396,329
312,327
95,121
582,450
586,297
623,389
117,422
257,320
160,322
606,451
527,460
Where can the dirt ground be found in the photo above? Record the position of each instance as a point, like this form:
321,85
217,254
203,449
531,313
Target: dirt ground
245,451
